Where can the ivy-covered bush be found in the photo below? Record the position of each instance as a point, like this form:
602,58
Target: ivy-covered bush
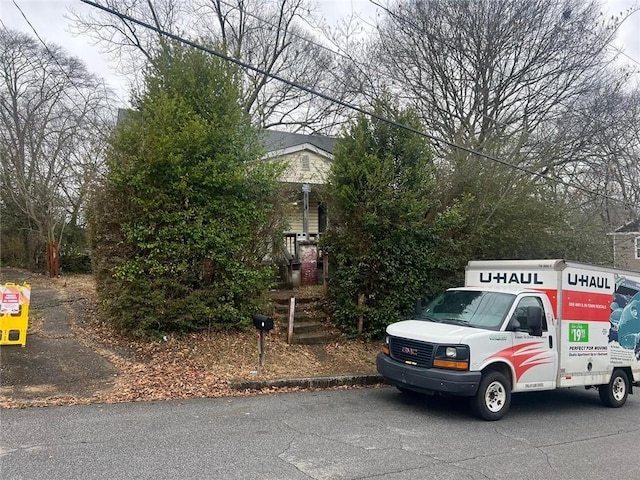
389,240
182,220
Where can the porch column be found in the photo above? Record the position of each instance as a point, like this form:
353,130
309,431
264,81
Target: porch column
305,210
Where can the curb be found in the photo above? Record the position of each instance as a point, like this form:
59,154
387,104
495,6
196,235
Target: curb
308,382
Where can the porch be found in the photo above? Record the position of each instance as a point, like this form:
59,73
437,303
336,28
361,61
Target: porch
306,263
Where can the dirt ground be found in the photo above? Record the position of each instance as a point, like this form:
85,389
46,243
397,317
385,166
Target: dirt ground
72,356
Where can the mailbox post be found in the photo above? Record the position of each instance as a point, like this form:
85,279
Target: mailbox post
263,324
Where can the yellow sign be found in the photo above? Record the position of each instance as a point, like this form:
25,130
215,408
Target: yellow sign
14,313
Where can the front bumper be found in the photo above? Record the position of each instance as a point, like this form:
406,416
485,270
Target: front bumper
427,380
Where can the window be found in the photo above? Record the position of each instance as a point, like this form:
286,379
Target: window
637,249
519,318
471,308
306,166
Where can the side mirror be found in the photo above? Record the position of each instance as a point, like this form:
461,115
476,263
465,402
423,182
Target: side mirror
534,321
418,308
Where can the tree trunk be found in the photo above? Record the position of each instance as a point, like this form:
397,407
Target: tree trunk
53,259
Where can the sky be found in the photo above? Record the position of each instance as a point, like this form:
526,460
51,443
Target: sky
47,17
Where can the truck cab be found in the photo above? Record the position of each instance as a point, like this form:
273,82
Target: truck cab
478,342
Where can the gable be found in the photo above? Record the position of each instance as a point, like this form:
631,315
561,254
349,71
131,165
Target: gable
307,157
305,166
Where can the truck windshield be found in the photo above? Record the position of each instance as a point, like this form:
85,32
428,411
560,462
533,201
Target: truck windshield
477,309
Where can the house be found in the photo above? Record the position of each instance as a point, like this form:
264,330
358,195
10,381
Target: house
626,246
308,160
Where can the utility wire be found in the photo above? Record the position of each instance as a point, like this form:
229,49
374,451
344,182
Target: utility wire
55,59
293,34
403,19
347,105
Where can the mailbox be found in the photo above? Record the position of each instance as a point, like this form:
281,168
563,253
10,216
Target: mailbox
262,322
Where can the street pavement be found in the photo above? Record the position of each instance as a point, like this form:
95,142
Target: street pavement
370,433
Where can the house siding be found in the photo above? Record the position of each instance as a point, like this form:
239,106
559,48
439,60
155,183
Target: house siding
295,214
624,247
307,160
318,168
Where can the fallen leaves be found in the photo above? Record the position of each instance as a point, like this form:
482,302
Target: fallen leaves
197,365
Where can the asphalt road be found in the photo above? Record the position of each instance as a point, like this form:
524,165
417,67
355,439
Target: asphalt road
373,433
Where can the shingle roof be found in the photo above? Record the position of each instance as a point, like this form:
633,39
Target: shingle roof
275,140
629,227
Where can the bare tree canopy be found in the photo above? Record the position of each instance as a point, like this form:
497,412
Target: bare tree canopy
483,70
51,124
268,35
522,81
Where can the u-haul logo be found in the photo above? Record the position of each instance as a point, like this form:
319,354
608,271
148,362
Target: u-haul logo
510,278
591,281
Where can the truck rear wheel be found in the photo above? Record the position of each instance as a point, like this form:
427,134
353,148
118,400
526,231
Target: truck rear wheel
615,393
493,397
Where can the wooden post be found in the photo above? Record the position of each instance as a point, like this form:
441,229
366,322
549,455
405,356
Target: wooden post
261,352
360,315
292,309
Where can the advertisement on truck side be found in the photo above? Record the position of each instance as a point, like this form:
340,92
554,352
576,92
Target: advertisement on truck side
598,311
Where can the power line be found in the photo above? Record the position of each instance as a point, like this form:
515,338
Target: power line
342,103
277,27
55,59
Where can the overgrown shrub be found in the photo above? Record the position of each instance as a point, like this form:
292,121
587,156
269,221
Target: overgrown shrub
388,239
182,221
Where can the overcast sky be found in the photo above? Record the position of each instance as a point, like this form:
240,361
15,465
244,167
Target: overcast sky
48,18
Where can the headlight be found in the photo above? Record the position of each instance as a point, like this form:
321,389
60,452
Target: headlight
385,345
452,357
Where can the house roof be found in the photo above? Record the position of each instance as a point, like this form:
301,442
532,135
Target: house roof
629,227
278,141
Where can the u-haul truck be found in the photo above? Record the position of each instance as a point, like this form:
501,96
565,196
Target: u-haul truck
521,326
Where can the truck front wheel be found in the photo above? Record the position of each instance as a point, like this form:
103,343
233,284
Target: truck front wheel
493,397
615,393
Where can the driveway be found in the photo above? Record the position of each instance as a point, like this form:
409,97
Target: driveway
54,363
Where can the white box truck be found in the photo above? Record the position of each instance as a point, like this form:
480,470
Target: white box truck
521,326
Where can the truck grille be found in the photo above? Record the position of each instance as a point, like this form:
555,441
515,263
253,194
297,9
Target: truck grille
411,351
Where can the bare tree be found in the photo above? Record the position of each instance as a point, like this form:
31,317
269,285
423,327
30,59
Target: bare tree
268,35
606,126
129,45
501,77
488,74
51,124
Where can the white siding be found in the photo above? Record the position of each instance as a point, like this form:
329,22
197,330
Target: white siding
316,174
294,218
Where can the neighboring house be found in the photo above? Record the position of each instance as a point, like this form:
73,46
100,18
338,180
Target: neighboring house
626,246
308,159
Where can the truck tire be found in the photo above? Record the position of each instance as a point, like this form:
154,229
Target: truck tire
615,393
493,397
